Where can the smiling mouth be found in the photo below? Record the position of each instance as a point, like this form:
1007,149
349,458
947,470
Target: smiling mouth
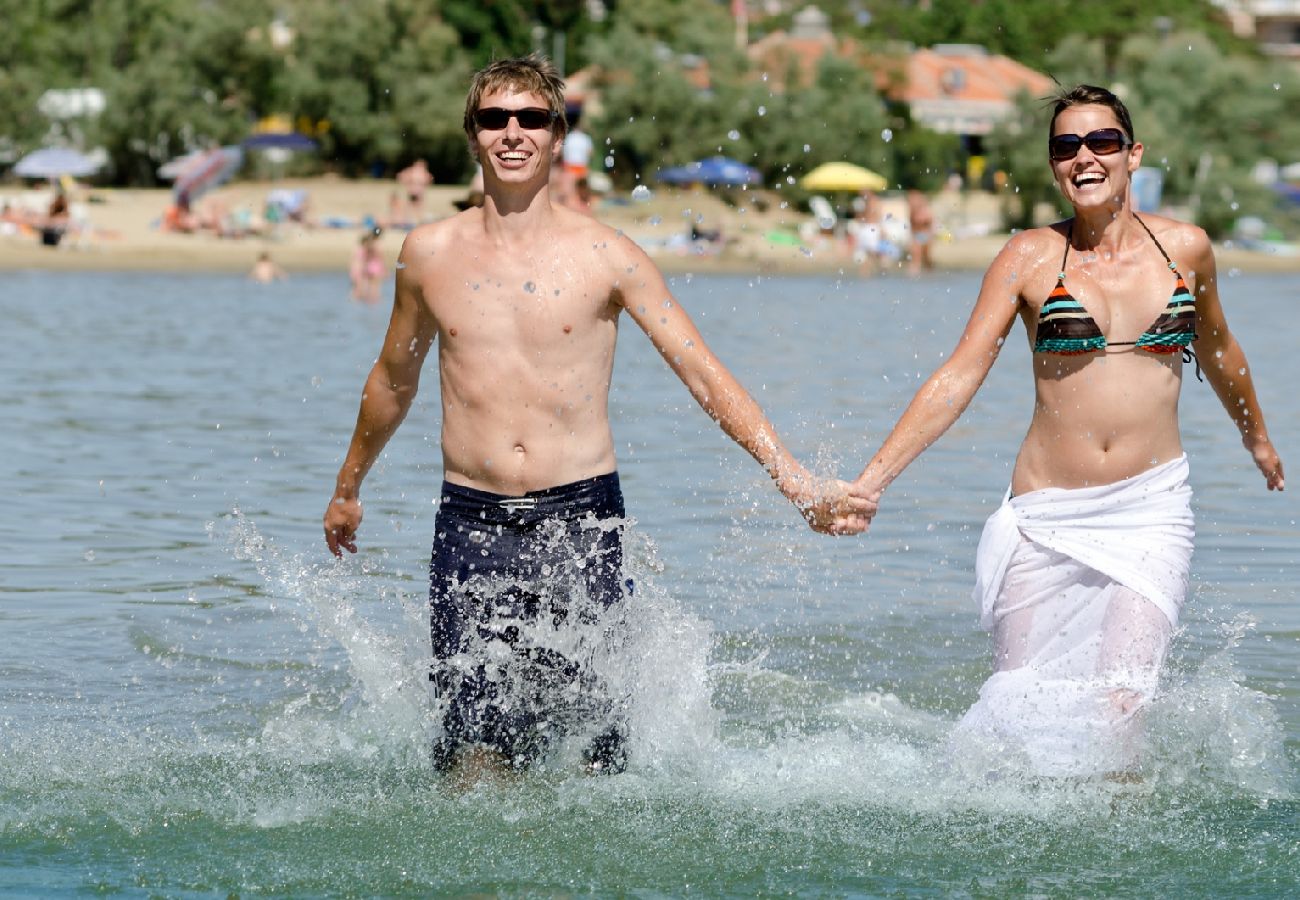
1087,179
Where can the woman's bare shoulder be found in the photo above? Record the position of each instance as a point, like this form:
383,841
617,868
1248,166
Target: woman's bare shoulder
1028,251
1177,237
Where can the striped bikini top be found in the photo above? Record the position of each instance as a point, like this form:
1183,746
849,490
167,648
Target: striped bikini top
1065,327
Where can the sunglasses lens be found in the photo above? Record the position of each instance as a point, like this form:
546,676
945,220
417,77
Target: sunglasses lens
492,118
1064,146
534,119
1105,141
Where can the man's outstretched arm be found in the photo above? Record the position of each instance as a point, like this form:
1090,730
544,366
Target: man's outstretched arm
826,504
385,400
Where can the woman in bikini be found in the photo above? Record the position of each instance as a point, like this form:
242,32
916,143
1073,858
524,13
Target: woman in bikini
1082,572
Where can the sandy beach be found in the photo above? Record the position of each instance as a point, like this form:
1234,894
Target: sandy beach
121,231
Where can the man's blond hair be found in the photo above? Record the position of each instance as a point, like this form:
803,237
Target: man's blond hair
533,73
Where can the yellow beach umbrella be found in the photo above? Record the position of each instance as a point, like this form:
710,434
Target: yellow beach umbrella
842,176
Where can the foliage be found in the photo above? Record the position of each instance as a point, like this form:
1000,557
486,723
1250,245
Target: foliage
382,82
778,126
386,100
1027,30
1195,108
1019,149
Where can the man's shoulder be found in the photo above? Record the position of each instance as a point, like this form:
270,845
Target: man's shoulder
587,232
444,232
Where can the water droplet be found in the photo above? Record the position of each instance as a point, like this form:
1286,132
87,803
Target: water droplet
89,556
530,287
887,135
807,148
609,161
641,192
400,265
655,220
762,110
733,134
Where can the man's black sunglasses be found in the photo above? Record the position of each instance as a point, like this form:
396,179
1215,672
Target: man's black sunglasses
1103,142
530,118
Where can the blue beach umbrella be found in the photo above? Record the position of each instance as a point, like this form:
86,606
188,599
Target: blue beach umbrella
282,140
715,171
55,162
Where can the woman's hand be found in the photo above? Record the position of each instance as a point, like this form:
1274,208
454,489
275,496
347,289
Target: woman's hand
1269,463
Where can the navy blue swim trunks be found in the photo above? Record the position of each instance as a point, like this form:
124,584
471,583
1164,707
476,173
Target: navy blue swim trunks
521,593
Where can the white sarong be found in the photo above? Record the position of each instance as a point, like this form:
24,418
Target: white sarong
1082,589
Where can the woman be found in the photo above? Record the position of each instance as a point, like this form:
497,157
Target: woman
368,268
1082,572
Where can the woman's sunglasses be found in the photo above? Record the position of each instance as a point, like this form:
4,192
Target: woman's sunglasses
530,118
1103,142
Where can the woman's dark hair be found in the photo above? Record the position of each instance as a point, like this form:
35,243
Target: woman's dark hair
1091,95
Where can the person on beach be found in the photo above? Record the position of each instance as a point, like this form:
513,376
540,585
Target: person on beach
368,267
921,224
523,299
414,181
1082,571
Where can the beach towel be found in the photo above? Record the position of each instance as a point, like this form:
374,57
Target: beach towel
1082,589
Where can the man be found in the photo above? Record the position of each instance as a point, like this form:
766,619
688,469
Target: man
523,298
414,180
578,148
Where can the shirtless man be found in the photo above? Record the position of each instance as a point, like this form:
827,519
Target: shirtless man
414,180
523,299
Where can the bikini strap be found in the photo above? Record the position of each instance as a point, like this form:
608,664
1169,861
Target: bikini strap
1069,238
1157,243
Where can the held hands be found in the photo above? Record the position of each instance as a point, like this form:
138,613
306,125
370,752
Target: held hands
342,519
828,505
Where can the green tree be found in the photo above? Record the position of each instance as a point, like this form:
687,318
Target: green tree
172,83
652,116
396,95
1018,148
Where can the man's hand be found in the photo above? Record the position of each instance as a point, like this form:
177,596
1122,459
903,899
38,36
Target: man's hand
829,505
342,519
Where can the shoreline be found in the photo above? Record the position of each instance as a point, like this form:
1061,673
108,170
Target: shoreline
122,234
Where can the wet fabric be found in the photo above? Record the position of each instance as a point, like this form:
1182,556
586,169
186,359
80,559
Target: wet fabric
1082,589
523,595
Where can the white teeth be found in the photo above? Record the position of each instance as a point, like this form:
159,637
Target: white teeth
1089,178
514,156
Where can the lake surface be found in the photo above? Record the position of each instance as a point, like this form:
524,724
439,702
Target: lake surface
196,700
